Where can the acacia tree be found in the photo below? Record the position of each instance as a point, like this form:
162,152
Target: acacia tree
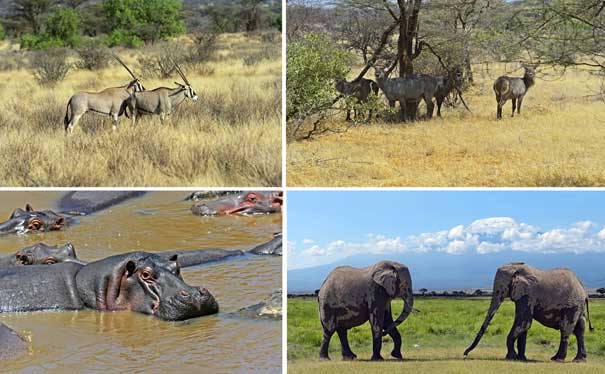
32,12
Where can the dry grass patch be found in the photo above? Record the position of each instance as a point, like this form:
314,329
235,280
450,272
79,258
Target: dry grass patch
559,140
230,137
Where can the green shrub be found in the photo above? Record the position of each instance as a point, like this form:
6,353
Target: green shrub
313,63
39,42
122,38
64,24
2,33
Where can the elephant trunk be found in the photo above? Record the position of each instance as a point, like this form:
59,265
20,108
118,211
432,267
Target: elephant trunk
493,308
408,307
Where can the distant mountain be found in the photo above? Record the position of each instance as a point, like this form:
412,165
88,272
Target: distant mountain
440,271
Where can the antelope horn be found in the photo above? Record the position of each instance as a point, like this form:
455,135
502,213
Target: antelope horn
178,69
125,67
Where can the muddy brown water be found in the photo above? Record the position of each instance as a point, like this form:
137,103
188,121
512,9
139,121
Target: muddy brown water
90,341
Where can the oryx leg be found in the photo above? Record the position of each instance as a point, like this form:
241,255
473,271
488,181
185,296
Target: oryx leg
116,120
72,124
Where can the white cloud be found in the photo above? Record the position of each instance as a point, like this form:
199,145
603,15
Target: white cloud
308,241
483,236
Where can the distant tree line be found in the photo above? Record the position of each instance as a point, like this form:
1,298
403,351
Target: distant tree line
41,24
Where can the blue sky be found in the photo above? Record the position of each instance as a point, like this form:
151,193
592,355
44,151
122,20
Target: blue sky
326,226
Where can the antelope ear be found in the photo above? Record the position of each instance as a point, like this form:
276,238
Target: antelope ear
387,278
178,84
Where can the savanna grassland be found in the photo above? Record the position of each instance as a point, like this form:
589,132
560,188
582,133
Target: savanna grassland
434,341
557,141
230,137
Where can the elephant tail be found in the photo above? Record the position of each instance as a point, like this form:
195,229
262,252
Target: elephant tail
590,327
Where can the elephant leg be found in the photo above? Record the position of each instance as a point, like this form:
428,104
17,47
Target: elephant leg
347,354
377,322
579,333
521,344
394,334
569,318
325,343
522,323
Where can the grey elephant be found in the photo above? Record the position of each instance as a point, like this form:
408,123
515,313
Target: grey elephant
555,298
350,296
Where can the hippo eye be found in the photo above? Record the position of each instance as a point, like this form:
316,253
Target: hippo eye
146,274
252,198
49,261
34,224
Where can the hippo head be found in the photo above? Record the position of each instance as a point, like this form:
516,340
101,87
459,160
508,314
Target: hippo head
247,203
42,254
145,283
28,219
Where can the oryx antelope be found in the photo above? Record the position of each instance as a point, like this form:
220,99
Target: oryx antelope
162,100
359,89
410,88
109,102
513,88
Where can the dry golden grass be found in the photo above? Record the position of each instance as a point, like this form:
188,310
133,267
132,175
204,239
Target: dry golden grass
230,137
559,140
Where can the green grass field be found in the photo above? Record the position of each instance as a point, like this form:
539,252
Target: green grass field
434,340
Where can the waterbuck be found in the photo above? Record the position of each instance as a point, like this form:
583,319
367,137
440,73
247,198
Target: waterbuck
445,85
109,102
410,88
513,88
359,89
161,100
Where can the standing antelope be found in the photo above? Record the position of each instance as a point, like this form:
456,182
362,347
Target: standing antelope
161,100
109,102
410,88
359,89
445,85
513,88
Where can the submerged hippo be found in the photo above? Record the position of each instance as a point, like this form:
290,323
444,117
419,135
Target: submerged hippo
247,203
87,202
11,344
26,220
271,307
138,281
41,254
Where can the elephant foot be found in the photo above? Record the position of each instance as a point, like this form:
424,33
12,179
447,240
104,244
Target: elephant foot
377,358
324,358
557,359
521,358
397,355
512,356
579,359
349,357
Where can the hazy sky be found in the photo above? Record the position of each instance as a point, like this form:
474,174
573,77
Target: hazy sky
325,226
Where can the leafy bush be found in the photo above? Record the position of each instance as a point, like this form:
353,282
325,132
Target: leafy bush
121,38
38,42
160,64
203,48
313,62
64,24
2,34
50,67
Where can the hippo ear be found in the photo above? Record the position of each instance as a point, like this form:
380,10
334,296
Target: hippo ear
17,212
28,208
70,250
131,268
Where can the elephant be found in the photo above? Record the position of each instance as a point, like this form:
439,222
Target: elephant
555,298
351,296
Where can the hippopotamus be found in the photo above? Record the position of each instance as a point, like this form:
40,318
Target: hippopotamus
26,220
204,195
271,307
246,203
188,258
41,254
87,202
138,281
11,344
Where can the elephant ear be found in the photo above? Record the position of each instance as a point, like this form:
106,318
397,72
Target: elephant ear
519,286
387,278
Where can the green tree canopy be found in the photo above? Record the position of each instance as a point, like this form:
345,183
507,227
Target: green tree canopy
149,20
64,24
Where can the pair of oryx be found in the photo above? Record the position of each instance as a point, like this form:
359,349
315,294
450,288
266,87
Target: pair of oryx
114,101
